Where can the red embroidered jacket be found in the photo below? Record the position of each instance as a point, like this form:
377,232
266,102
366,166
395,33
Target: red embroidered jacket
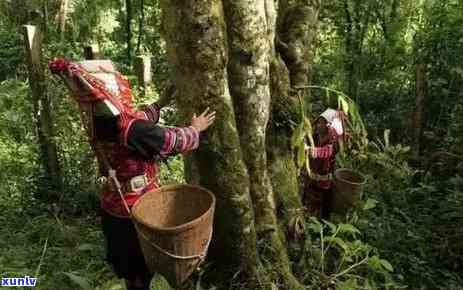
131,147
324,158
128,162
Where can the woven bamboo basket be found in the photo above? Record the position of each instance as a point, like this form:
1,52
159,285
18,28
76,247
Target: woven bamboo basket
174,226
348,187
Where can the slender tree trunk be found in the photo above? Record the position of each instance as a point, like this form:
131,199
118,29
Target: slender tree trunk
140,25
143,70
42,111
45,17
357,19
128,11
350,61
419,108
62,17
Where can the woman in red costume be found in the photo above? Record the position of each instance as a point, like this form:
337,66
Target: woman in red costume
318,186
127,142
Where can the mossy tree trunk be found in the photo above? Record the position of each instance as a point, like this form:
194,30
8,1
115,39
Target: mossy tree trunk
232,56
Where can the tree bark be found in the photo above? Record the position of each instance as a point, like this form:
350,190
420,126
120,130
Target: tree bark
62,17
143,70
42,111
357,18
296,33
140,25
250,50
223,55
297,25
128,11
197,50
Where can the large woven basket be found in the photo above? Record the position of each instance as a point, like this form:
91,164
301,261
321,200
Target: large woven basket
174,226
348,187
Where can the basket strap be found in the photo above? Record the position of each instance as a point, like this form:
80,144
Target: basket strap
201,256
113,176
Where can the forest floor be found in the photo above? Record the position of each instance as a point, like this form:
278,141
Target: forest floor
63,253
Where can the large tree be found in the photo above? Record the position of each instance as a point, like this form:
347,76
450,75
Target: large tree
247,60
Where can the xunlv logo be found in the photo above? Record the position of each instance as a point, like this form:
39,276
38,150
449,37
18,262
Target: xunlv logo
17,282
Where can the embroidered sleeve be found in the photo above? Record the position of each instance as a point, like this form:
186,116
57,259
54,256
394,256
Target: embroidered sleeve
180,140
152,112
323,152
150,140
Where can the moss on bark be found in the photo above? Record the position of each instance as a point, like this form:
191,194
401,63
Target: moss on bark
197,51
228,61
250,51
282,168
297,27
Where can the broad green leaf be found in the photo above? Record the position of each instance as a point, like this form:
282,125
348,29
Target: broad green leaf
81,281
332,226
375,263
348,228
370,203
338,242
386,265
315,225
344,105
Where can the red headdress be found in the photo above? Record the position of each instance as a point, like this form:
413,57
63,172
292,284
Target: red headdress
88,90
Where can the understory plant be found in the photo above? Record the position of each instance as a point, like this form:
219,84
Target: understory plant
335,256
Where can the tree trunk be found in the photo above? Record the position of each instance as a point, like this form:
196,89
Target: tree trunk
297,23
143,71
419,108
196,47
249,24
223,55
62,17
41,104
357,19
128,11
140,25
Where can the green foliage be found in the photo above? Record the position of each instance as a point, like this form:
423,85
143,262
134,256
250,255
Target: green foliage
172,171
335,256
18,153
407,230
414,225
11,54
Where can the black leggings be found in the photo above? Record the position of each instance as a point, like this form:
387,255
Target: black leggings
123,250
